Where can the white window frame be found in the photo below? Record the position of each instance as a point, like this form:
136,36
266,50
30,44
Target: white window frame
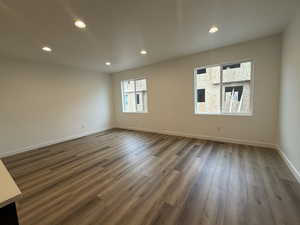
122,95
221,89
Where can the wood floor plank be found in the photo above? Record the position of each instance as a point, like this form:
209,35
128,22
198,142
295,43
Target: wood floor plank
123,177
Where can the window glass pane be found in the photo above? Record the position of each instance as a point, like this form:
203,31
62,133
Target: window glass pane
141,88
141,103
128,85
129,102
141,85
207,90
236,88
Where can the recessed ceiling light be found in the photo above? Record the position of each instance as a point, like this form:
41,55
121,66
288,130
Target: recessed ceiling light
143,52
213,29
108,63
80,24
47,49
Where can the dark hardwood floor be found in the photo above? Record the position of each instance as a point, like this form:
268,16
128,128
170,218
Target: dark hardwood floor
122,177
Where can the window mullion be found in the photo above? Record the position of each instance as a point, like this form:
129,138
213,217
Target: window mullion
221,89
123,100
135,95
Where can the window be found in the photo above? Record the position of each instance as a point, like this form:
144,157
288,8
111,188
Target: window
224,89
134,95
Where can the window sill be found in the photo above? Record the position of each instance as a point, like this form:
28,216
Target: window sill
224,114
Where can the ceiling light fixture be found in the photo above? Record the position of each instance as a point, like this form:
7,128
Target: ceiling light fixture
143,52
80,24
108,63
47,49
213,29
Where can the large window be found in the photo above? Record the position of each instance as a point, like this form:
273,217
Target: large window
224,89
134,95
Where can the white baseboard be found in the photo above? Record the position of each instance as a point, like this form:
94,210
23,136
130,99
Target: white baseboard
52,142
205,137
290,165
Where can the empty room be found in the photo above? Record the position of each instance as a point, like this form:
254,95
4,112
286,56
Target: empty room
158,112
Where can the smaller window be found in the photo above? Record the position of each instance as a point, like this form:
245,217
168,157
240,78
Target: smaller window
134,95
201,95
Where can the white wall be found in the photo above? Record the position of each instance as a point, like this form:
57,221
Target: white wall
289,110
171,106
44,104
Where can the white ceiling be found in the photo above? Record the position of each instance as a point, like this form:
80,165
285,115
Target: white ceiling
118,29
